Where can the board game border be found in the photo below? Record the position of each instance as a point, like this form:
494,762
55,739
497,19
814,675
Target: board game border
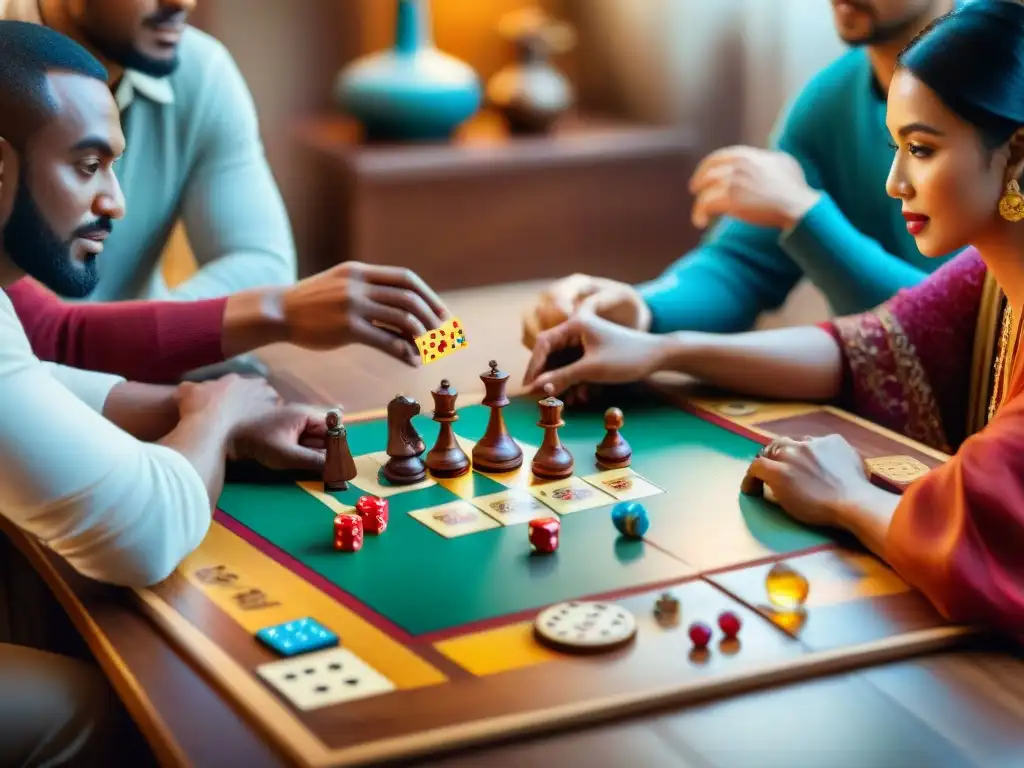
277,721
302,744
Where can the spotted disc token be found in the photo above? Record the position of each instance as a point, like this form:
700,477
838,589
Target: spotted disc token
584,627
737,409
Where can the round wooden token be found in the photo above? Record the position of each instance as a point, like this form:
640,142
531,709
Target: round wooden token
584,627
737,409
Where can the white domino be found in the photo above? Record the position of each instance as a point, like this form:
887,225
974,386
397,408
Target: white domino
321,679
585,626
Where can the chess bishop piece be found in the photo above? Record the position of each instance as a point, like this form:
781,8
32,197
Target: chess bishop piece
613,452
339,466
496,451
446,458
405,446
552,460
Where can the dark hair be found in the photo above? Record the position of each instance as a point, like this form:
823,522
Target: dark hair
973,59
28,53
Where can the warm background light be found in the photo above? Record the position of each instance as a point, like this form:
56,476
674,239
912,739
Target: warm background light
466,29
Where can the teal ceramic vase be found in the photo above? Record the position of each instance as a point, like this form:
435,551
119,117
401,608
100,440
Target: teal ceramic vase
412,92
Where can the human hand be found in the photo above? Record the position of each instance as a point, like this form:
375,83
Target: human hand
814,479
612,300
231,400
353,303
758,186
291,438
612,354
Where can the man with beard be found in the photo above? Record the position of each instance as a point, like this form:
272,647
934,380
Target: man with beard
117,478
814,205
196,152
195,148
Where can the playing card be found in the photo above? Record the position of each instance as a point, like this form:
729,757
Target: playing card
571,495
511,507
317,680
624,484
897,469
441,342
456,518
369,479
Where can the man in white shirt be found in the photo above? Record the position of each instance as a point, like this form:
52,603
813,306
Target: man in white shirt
118,478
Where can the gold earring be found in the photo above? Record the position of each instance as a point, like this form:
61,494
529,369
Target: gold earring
1011,204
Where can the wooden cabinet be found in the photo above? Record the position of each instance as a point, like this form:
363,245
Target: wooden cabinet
597,195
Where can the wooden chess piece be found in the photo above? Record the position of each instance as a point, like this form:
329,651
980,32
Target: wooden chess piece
496,451
552,460
613,452
339,466
446,458
405,446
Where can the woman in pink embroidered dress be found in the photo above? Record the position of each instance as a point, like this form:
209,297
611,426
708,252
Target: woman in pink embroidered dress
937,362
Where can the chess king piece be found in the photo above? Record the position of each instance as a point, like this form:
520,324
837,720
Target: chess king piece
552,460
613,452
339,466
405,446
496,451
446,458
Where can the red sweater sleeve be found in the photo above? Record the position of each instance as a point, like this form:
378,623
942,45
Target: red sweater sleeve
958,532
147,341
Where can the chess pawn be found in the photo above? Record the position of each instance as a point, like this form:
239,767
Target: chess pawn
613,452
405,446
339,466
552,460
496,451
446,458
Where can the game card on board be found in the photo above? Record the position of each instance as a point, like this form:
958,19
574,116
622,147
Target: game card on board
571,495
457,518
624,484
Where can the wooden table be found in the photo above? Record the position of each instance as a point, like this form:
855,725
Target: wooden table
948,709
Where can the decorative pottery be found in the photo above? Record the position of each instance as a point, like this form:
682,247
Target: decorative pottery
531,93
412,92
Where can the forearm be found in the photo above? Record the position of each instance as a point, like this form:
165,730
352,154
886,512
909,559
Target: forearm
790,363
203,439
867,517
253,319
722,286
145,411
147,341
853,271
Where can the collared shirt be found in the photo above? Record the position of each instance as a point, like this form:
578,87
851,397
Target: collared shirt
193,154
117,509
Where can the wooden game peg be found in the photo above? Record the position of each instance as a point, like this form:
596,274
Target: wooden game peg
496,451
405,446
613,452
446,458
339,466
552,460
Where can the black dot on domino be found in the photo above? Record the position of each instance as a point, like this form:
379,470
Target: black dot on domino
352,681
321,689
334,666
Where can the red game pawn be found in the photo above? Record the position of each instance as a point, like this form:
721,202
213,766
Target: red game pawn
730,624
348,533
700,634
544,534
374,512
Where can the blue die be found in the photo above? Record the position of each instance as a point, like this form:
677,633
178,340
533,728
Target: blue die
295,637
630,519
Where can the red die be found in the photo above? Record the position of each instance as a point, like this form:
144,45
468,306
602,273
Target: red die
374,511
348,533
544,534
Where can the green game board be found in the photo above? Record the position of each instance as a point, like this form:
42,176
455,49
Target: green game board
424,582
